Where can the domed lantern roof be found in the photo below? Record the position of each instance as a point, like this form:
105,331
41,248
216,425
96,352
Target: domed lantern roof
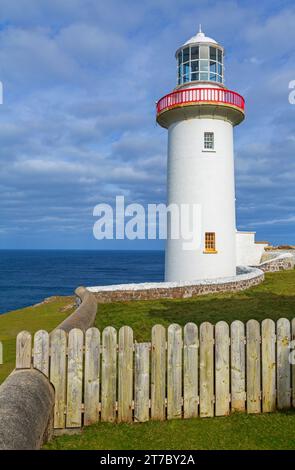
199,38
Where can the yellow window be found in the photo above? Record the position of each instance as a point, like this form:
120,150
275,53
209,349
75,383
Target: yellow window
210,246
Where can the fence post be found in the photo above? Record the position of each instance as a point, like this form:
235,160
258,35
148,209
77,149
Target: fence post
141,382
1,353
174,373
283,364
253,367
190,371
221,369
75,379
268,332
92,376
23,350
238,366
109,374
125,374
41,352
158,372
206,370
58,349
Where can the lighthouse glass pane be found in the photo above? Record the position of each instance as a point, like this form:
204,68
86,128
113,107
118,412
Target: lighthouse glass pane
213,51
220,69
213,77
186,54
219,55
204,76
204,52
195,76
195,66
213,67
203,65
194,53
179,57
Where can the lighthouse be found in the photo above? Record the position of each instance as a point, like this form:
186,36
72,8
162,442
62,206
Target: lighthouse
200,114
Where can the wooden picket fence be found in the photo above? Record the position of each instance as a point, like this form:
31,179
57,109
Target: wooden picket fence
205,371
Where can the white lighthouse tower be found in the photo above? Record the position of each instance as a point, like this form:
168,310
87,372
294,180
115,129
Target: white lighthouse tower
200,115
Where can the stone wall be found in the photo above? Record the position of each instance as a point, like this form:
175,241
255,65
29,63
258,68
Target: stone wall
248,277
281,262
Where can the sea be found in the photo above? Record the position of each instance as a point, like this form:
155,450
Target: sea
29,276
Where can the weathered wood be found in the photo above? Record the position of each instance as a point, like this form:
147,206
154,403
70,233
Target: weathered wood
253,367
174,372
41,352
206,370
125,374
190,371
268,335
109,374
58,349
292,361
222,342
23,350
75,379
238,366
158,373
141,382
92,376
283,364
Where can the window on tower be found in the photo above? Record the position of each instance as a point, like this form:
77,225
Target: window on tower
210,245
209,140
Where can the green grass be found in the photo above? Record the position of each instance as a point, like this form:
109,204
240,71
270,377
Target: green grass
239,431
42,316
275,298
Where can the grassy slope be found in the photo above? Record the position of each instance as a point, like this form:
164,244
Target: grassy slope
239,431
274,298
43,316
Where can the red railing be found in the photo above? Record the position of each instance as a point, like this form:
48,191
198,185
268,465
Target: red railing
199,95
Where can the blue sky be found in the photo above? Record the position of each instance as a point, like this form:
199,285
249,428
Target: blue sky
77,126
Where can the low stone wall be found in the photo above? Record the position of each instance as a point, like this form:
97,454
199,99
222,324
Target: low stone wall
26,410
84,316
246,278
281,262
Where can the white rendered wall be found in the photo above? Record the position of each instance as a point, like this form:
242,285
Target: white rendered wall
200,177
249,253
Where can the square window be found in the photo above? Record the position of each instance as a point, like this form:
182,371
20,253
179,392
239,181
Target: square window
209,140
195,66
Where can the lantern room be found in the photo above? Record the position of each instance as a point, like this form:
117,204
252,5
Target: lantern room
200,59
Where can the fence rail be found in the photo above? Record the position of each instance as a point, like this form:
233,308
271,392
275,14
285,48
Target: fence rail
182,373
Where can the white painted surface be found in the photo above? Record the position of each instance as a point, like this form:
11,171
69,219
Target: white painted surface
248,252
205,178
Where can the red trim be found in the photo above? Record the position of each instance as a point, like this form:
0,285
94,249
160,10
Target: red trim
199,95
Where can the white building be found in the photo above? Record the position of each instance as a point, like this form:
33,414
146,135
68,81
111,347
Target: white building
200,115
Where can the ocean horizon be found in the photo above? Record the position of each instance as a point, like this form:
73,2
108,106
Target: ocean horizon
28,277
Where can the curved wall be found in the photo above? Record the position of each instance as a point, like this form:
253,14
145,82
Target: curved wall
196,176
